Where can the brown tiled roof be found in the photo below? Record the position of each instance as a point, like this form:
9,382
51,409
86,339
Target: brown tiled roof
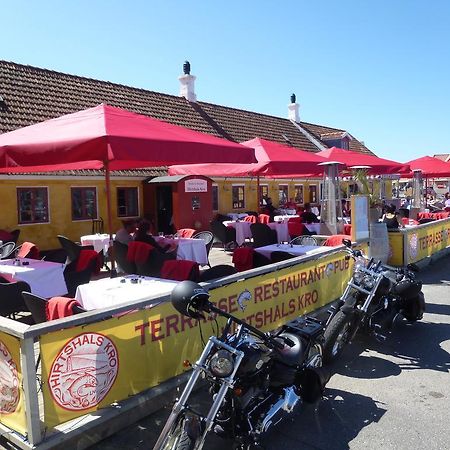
32,95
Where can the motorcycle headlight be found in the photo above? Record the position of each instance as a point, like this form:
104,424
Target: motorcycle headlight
221,364
368,282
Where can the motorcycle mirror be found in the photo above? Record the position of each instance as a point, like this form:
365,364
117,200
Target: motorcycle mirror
347,242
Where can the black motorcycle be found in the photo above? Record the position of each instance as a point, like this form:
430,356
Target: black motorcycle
254,379
374,297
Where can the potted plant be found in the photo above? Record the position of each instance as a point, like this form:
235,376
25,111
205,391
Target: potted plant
362,180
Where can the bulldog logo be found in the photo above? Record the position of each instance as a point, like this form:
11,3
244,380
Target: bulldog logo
83,372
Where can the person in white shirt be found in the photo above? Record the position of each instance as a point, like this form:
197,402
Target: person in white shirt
126,233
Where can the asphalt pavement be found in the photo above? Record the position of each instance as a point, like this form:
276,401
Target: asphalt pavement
390,395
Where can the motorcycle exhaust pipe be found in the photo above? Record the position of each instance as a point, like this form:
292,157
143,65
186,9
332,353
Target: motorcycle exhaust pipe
311,383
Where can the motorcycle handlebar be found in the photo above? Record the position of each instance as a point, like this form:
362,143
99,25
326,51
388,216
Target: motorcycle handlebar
266,338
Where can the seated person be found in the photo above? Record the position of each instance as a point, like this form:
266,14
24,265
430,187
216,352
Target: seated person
125,234
390,218
269,209
142,235
345,210
308,216
447,200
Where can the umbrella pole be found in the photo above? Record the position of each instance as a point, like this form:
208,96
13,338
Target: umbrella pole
109,213
258,200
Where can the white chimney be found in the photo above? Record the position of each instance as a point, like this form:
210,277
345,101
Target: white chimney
187,83
293,110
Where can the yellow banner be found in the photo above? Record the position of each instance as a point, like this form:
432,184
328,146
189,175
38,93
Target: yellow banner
12,411
425,241
88,367
395,248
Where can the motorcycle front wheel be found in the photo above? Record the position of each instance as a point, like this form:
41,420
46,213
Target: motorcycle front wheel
337,335
185,433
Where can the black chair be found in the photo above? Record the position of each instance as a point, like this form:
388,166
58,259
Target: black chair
15,236
36,306
74,278
263,235
260,260
208,237
152,267
72,248
220,271
11,301
225,235
97,226
7,249
120,255
279,256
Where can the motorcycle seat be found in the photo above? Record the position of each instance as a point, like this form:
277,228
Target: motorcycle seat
292,356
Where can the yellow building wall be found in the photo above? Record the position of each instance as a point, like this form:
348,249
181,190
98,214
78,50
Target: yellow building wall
60,213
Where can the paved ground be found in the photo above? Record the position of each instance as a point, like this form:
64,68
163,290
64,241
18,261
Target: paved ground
394,395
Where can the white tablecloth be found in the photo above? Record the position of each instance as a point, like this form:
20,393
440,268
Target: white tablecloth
45,278
287,211
242,228
296,250
99,241
282,231
284,218
313,227
114,291
189,249
236,216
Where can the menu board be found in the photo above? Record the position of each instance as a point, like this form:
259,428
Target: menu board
360,216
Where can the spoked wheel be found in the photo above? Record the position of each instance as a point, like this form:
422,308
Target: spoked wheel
185,433
336,336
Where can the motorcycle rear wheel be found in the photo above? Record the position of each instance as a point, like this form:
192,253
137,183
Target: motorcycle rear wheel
415,308
337,335
181,436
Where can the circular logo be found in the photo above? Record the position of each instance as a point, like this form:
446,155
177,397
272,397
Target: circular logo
9,381
84,371
413,245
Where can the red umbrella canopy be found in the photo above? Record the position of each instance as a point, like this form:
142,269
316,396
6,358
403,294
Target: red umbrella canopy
350,159
430,166
274,160
107,135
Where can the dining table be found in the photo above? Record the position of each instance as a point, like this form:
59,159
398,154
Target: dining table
100,242
187,248
108,292
237,216
313,227
282,231
296,250
284,217
45,278
242,228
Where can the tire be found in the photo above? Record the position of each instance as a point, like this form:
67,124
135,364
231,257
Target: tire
415,308
337,334
181,436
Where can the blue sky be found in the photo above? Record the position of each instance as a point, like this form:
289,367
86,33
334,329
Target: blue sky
379,69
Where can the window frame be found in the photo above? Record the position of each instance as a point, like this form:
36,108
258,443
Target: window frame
215,196
127,188
303,193
312,187
85,216
280,186
262,188
238,186
19,189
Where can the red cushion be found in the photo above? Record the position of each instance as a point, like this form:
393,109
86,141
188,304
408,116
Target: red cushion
58,307
335,240
85,260
180,270
139,252
243,258
264,218
347,229
251,219
295,229
28,250
186,232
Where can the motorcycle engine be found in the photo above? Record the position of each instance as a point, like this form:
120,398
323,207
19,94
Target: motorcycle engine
382,313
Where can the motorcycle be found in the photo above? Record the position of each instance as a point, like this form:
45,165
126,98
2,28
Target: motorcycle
372,300
254,378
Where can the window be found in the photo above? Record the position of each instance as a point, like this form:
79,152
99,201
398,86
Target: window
263,193
298,195
313,194
33,205
237,195
127,202
84,203
283,194
215,197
